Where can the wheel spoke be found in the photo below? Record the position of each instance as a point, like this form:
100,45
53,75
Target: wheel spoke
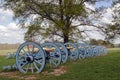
22,55
38,61
23,50
28,49
53,62
27,67
36,66
32,70
22,63
38,53
33,49
38,57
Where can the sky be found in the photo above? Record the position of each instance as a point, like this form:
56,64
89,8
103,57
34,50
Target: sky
11,33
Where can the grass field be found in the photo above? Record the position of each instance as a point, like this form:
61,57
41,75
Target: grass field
106,67
4,52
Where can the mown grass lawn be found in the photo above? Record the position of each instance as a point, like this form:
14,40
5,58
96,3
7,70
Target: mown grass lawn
106,67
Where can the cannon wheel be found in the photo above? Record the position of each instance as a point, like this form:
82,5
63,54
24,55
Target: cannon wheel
74,52
82,50
92,50
88,49
64,52
96,50
105,50
55,55
100,51
30,57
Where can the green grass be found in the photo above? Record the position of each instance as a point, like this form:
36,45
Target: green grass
105,67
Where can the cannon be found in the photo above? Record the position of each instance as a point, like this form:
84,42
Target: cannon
64,51
52,54
72,51
82,50
32,57
88,50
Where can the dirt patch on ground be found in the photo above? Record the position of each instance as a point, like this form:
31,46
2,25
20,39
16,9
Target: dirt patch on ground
30,77
9,74
15,74
56,72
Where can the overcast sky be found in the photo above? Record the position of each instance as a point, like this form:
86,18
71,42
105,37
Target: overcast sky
11,33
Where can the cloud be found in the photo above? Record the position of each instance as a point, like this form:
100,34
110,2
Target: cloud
11,34
13,26
6,12
2,28
90,6
117,6
91,32
5,16
107,16
9,31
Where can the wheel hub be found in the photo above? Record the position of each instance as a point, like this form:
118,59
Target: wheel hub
30,59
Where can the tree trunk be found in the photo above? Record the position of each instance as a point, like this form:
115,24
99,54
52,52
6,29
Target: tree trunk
66,38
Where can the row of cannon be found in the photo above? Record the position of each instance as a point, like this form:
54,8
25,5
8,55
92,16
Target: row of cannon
32,57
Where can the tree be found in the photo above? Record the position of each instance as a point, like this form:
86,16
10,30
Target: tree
93,42
113,30
54,17
101,42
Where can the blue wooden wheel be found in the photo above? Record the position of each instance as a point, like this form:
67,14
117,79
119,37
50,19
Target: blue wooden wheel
87,48
96,50
55,56
82,50
30,57
73,52
88,51
105,50
91,51
100,50
64,51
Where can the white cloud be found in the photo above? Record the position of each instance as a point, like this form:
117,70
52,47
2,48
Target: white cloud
91,6
9,31
117,41
5,16
2,28
117,5
13,26
107,17
11,34
92,32
6,12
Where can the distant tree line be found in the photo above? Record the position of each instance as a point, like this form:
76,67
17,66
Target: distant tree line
9,46
102,42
